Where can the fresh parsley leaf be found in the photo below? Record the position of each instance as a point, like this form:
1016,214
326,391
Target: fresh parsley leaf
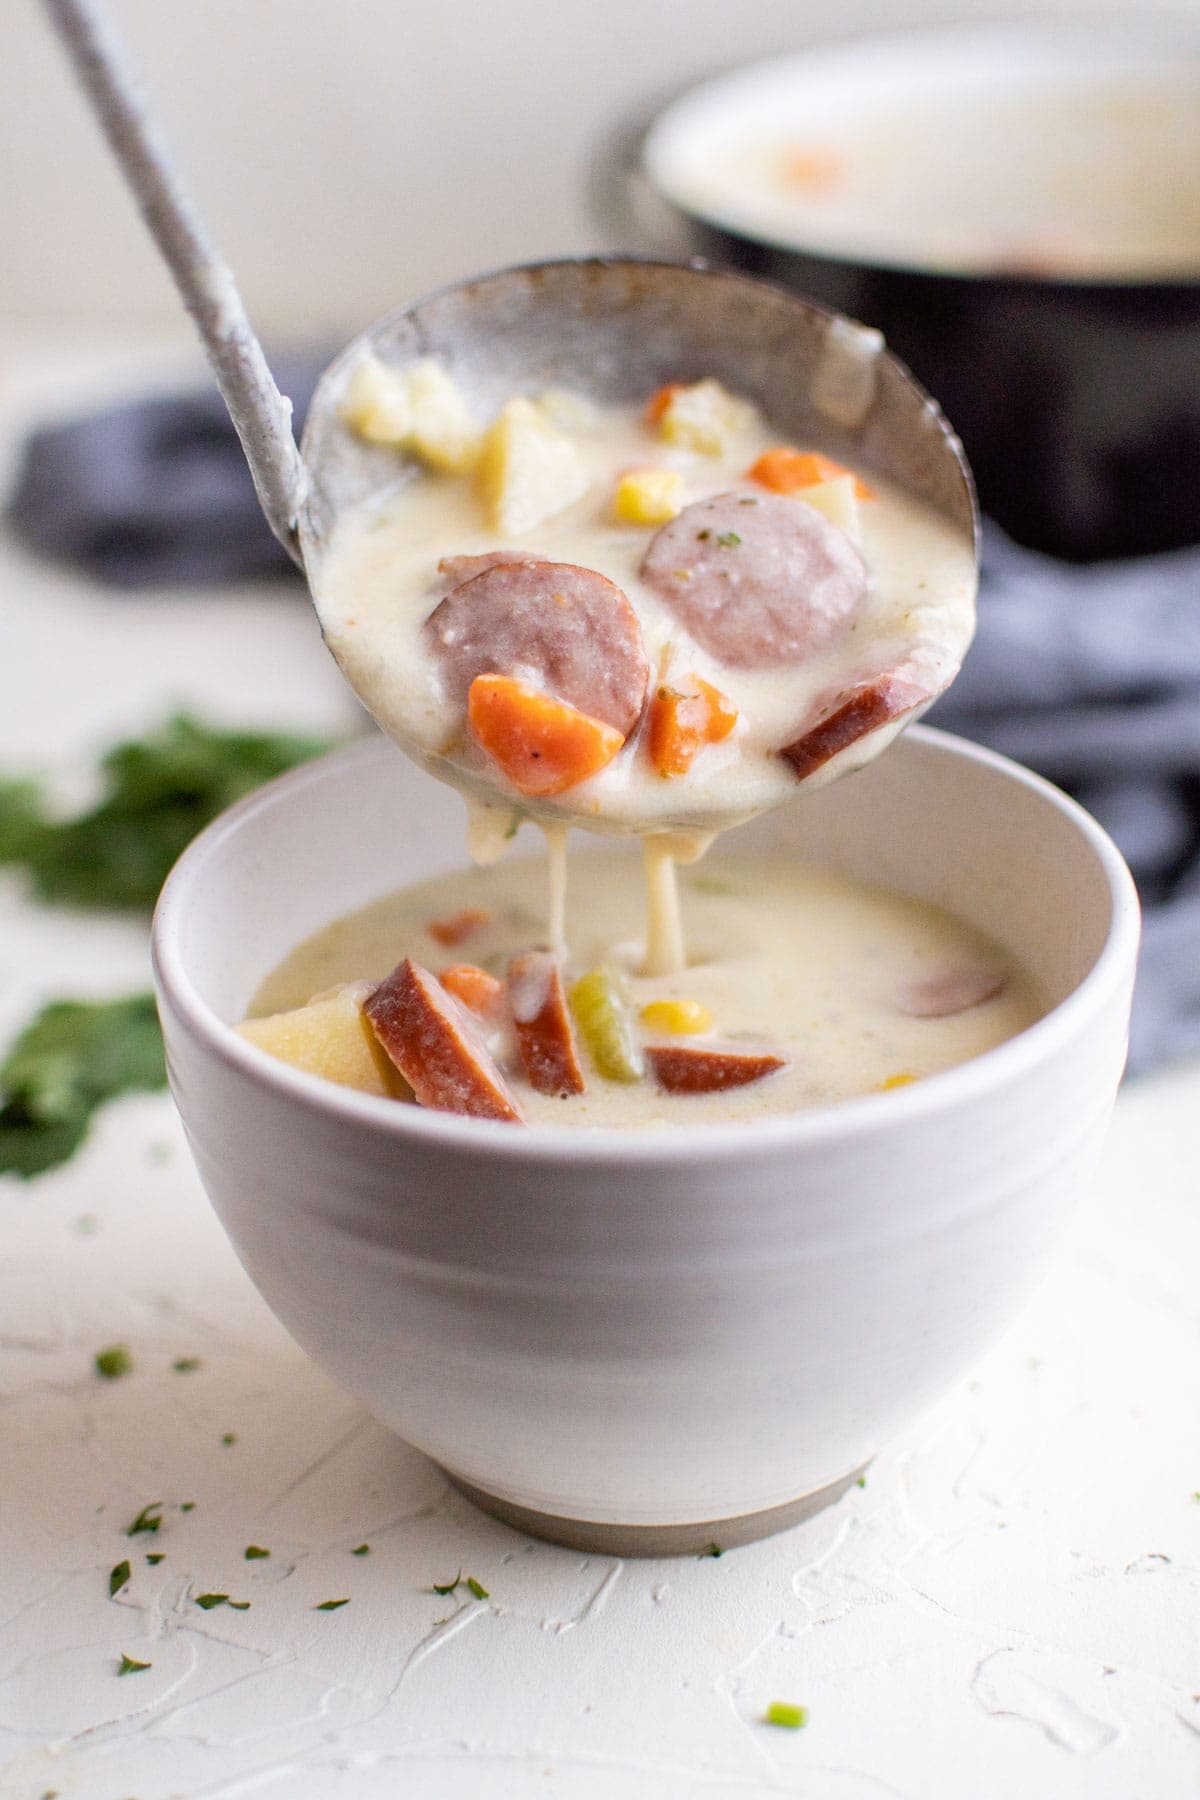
361,1550
117,1578
155,1556
129,1665
114,1362
186,1365
477,1588
22,819
208,1601
331,1605
156,794
782,1712
149,1519
448,1587
728,540
255,1553
71,1058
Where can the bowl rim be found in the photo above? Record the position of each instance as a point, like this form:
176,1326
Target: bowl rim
657,1146
1165,32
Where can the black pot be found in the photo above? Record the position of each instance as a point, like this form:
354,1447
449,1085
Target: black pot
1077,400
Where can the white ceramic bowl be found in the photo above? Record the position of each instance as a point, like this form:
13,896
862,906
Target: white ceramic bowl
647,1341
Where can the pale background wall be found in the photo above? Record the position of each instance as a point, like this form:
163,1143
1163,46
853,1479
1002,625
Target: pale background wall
350,153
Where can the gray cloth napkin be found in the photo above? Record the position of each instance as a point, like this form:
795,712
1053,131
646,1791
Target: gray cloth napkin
1089,675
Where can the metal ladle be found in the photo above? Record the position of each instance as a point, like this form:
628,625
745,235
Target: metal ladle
613,329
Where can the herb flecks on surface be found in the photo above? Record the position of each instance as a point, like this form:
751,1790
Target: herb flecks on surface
149,1519
186,1365
129,1665
118,1577
782,1712
157,792
208,1601
331,1605
255,1553
70,1059
113,1362
468,1581
361,1550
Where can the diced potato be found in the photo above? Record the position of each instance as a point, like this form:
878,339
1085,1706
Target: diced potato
648,496
528,470
682,1018
376,403
419,408
443,432
705,417
838,501
330,1037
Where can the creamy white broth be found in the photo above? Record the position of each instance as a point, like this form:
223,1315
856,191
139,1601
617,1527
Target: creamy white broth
805,963
380,583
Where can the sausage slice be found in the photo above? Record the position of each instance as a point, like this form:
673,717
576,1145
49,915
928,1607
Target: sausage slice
436,1046
760,580
545,1039
851,715
679,1069
566,630
457,569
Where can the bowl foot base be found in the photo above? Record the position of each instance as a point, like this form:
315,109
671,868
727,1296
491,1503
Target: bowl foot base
655,1540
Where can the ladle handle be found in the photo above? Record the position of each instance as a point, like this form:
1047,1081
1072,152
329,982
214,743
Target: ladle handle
261,415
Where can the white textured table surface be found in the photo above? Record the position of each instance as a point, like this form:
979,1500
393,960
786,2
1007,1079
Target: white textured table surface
1010,1606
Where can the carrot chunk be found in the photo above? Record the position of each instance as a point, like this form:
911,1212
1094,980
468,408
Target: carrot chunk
457,926
478,990
542,745
788,471
659,401
684,719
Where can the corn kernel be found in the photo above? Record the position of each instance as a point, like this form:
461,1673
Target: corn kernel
903,1079
648,496
683,1018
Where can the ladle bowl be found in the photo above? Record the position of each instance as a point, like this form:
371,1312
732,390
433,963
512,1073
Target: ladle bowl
614,330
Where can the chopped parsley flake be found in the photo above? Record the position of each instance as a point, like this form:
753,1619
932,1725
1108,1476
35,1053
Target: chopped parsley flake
477,1588
129,1665
782,1712
186,1365
149,1519
713,1550
229,1437
208,1601
861,1482
255,1553
187,1506
117,1578
331,1605
448,1587
361,1550
155,1556
728,540
114,1362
